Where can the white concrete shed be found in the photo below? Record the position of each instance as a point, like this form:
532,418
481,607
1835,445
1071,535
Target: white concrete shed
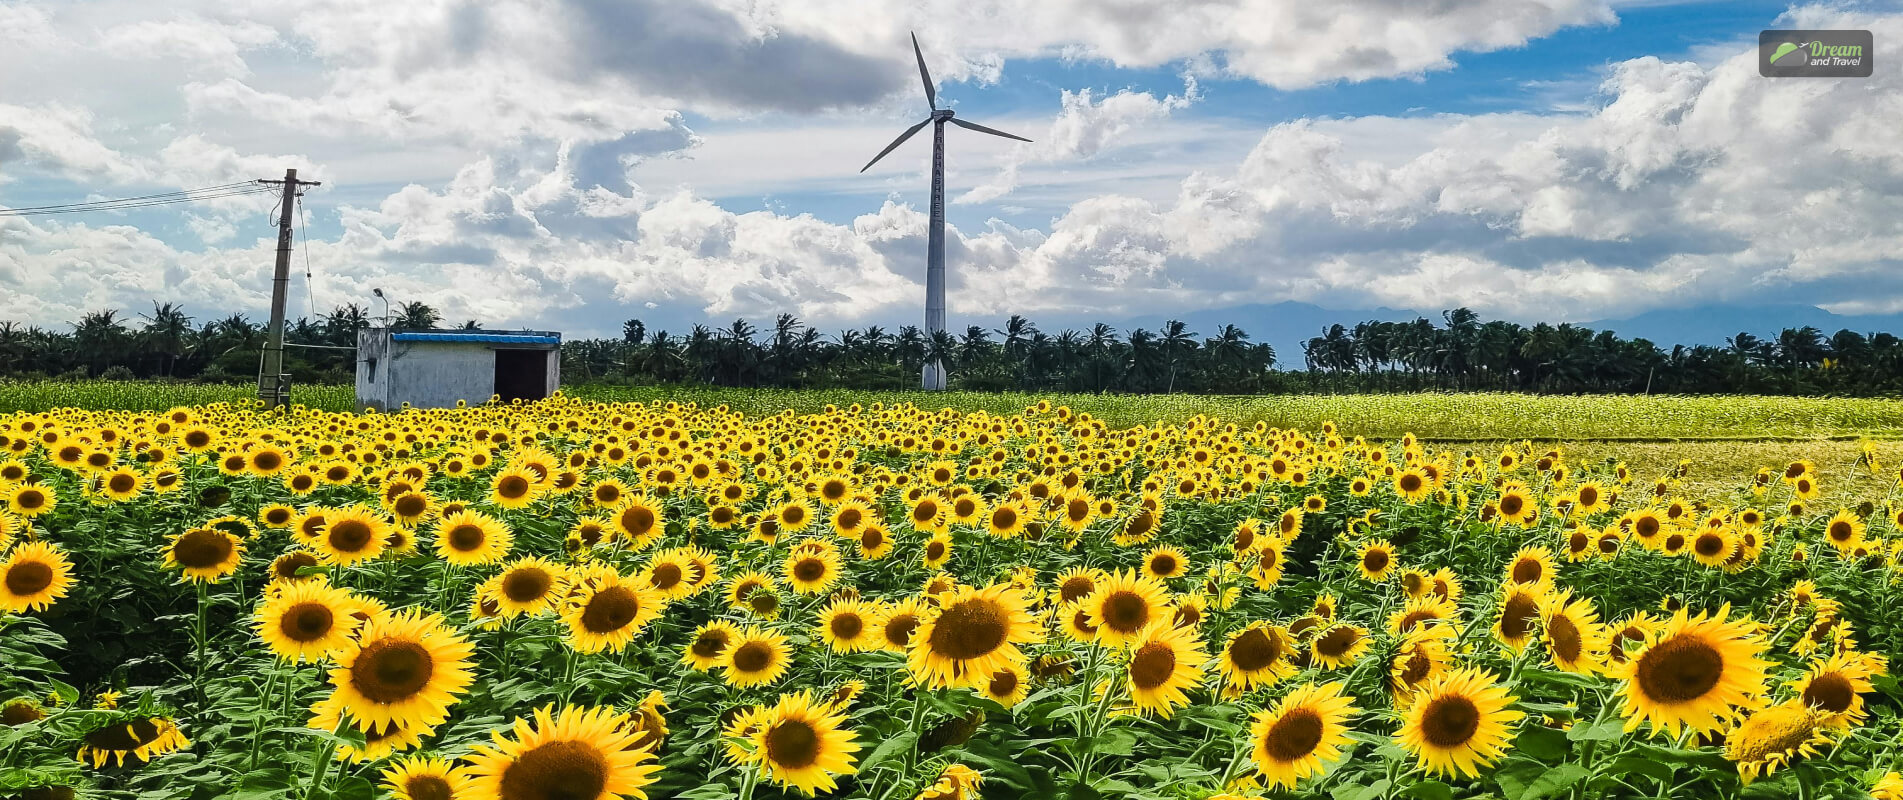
436,368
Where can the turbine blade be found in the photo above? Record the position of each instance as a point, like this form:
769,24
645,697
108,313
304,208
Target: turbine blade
982,129
895,143
931,95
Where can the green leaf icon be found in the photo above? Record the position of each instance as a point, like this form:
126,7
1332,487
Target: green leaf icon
1783,49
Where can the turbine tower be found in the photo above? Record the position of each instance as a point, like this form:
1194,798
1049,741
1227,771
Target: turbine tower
933,377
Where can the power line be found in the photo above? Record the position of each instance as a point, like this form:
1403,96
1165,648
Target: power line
135,202
130,199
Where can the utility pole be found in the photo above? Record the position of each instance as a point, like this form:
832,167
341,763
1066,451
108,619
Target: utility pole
274,386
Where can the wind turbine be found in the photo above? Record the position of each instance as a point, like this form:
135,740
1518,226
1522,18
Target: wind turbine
933,377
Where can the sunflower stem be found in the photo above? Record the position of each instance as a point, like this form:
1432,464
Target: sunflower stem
264,705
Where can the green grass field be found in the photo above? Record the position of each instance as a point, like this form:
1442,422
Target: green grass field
1726,437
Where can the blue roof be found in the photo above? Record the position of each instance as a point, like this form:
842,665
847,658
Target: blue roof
477,336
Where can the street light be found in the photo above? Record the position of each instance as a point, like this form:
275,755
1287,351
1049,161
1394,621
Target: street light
386,306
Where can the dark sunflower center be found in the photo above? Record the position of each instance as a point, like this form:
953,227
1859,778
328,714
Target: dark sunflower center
808,570
898,630
1510,505
1125,612
1004,518
665,576
1416,668
753,657
710,644
526,584
130,736
267,461
20,713
850,518
1680,669
1840,531
29,578
1567,643
1255,649
1076,588
793,515
1294,736
935,550
611,609
201,549
1163,564
306,622
847,626
970,629
427,787
1709,545
1527,570
1152,665
793,744
350,536
1516,617
559,770
464,538
1646,527
1831,692
411,505
637,520
1375,560
1336,642
871,539
392,670
1450,721
512,487
1410,483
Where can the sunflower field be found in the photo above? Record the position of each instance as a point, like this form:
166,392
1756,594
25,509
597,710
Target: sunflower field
586,600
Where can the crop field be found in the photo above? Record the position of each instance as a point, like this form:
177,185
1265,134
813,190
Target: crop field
765,595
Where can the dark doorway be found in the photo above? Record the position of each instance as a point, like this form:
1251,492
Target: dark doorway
522,374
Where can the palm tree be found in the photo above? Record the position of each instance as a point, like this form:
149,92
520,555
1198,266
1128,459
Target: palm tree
416,315
1179,343
167,331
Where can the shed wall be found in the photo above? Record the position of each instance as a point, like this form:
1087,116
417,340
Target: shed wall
437,374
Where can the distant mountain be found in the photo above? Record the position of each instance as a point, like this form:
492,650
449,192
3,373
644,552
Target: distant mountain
1712,325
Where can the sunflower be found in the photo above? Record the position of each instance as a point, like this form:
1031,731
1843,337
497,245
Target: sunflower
1123,605
204,555
1517,620
1412,485
1164,563
402,669
1531,566
1844,531
1075,584
639,520
1695,672
121,484
1006,520
530,586
1516,505
426,778
1773,737
972,634
514,487
849,626
1164,661
1422,656
811,573
138,738
307,620
472,538
1339,646
33,576
1306,728
607,610
648,723
758,656
1713,547
31,500
580,753
1632,631
710,645
937,551
802,743
899,623
956,782
412,508
350,535
1427,610
1458,724
1006,687
1835,687
1256,655
1574,638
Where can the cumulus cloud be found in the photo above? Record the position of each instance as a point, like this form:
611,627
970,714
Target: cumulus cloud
1083,128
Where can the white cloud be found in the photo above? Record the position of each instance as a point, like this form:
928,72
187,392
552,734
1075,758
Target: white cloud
1082,130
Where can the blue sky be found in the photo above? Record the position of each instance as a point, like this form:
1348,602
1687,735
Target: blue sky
576,163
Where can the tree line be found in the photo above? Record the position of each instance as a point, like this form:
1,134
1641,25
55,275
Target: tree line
1460,352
